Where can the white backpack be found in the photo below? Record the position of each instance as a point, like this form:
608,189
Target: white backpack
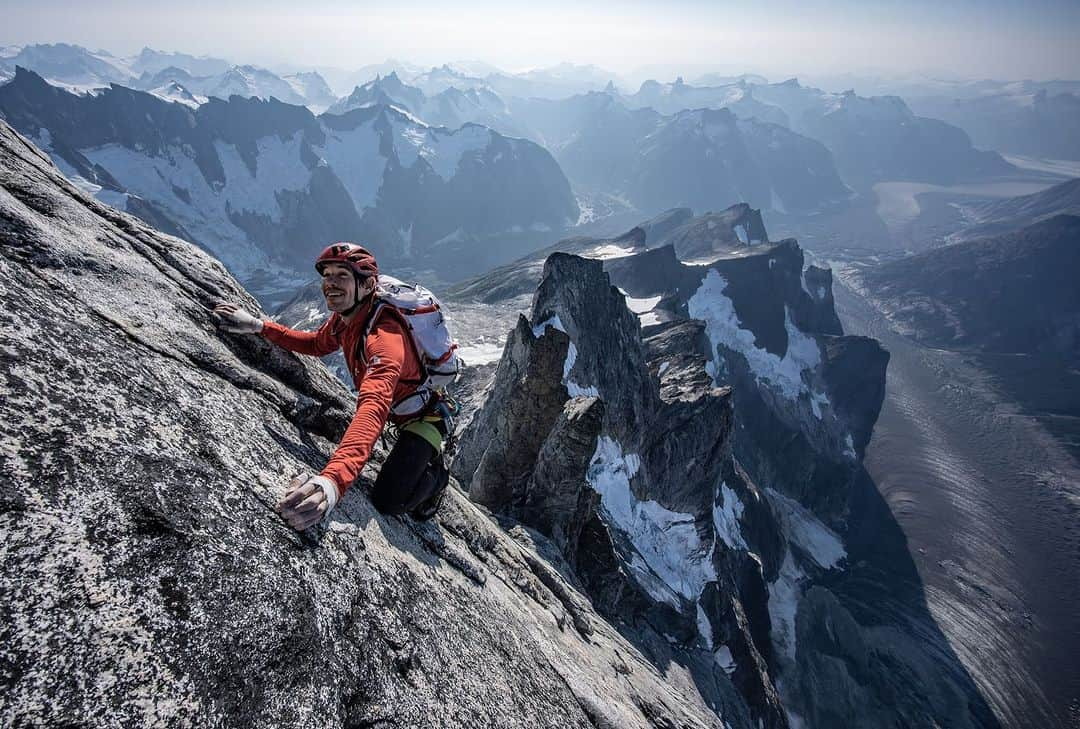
435,346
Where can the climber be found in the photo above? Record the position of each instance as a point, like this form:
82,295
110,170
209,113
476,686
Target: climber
387,371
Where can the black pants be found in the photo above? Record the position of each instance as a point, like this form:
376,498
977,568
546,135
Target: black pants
410,474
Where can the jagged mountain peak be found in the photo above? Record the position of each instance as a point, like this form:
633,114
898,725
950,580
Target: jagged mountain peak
587,434
27,77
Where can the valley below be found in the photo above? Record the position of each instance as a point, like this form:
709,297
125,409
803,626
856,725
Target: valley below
973,482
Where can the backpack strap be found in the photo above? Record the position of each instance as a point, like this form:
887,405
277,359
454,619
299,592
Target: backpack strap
377,310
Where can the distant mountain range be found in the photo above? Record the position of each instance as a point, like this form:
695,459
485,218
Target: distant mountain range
703,159
506,160
71,66
304,89
79,69
449,108
1034,118
1025,118
263,183
879,138
598,137
151,61
873,138
675,97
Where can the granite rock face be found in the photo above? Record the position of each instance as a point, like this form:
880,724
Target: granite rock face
147,581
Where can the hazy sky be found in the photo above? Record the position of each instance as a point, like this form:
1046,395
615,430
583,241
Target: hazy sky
780,38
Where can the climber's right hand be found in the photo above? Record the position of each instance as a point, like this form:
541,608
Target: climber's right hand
307,500
231,318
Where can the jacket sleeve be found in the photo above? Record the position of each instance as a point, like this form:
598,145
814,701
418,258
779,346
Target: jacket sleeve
385,354
316,344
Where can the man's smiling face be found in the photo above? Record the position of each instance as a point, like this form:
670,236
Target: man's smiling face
338,286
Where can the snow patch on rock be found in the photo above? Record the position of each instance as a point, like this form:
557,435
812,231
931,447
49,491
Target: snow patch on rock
572,388
277,168
777,204
456,236
481,353
704,627
722,325
606,252
357,162
667,540
807,532
849,447
725,660
116,199
726,517
206,217
784,595
554,322
441,149
641,306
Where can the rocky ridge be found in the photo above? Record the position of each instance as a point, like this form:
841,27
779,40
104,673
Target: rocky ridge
576,439
684,432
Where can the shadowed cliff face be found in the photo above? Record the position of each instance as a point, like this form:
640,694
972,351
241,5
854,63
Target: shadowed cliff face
146,580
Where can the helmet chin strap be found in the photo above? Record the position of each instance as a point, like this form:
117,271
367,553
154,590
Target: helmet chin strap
359,301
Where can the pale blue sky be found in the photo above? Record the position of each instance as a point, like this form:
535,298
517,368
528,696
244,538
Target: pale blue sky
780,38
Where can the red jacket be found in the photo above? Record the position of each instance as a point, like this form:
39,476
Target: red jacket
386,371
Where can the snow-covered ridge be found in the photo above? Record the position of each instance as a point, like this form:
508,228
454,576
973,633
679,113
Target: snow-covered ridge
251,192
174,91
440,148
175,182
